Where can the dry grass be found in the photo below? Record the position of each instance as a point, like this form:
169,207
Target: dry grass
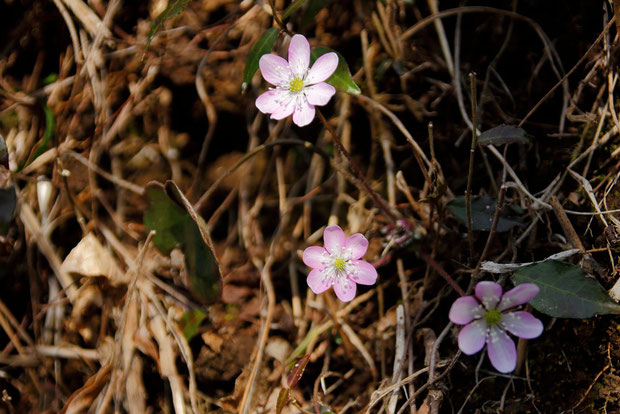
92,310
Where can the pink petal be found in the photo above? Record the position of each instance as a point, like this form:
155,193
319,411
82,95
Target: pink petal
304,112
320,93
502,351
522,324
489,293
472,337
356,246
314,256
518,295
465,309
286,108
270,101
319,280
334,239
363,272
345,288
322,69
299,55
275,70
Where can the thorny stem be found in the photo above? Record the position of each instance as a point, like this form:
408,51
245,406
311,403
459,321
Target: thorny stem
378,201
472,153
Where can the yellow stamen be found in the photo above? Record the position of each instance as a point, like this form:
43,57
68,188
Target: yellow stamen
340,263
296,85
493,317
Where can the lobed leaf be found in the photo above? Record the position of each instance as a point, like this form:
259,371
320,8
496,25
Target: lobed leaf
565,291
341,79
263,45
482,212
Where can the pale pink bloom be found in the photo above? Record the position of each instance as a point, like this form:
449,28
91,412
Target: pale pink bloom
297,89
339,264
488,315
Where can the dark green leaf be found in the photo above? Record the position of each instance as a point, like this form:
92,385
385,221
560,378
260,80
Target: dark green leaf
341,79
190,322
292,7
8,198
565,291
165,217
4,153
175,7
298,370
8,202
503,134
48,135
262,46
314,6
482,211
283,397
176,223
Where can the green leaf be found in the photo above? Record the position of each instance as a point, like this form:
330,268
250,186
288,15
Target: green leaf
292,7
482,211
4,153
283,397
175,7
262,46
503,134
8,198
314,7
8,202
171,215
565,291
341,78
48,135
190,322
165,217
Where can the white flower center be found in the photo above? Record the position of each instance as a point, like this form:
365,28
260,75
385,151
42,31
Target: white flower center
338,264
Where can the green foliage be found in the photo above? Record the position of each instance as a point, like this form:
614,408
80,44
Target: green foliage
175,7
262,46
8,198
341,79
283,398
314,7
176,223
190,322
503,134
482,212
48,135
565,291
292,8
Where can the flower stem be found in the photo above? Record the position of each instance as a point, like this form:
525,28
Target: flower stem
472,153
373,194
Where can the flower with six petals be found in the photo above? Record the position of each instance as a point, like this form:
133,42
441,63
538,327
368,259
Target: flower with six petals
488,315
298,89
339,264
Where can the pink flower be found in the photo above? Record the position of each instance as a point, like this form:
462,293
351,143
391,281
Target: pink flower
297,89
339,264
488,315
